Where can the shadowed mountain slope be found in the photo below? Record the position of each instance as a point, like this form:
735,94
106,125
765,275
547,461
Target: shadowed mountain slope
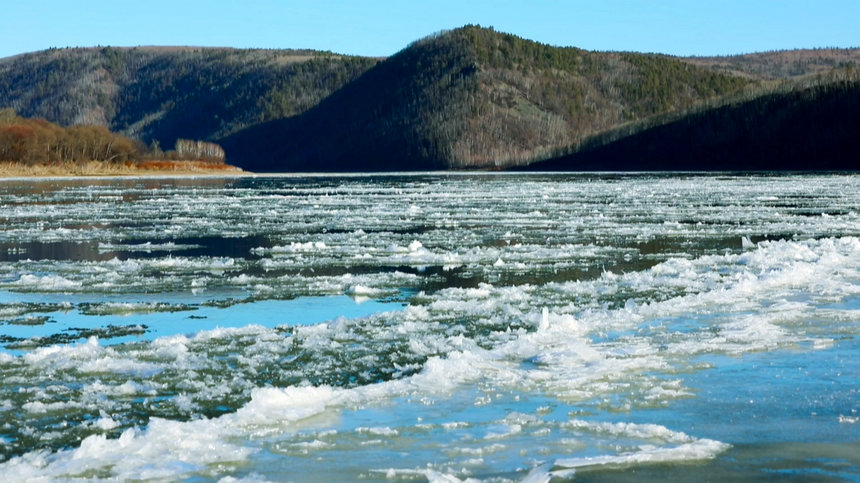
802,128
476,98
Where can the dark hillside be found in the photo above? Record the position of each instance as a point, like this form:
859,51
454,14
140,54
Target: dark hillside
809,128
475,98
404,114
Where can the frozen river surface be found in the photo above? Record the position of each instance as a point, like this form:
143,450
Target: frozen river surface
431,327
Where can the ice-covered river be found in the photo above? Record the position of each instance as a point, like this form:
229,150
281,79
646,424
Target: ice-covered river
434,327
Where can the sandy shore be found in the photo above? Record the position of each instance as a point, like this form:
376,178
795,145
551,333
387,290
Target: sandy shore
98,168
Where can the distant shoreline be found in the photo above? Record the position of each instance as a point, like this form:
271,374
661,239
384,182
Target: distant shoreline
11,169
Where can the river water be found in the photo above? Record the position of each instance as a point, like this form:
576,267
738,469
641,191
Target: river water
440,327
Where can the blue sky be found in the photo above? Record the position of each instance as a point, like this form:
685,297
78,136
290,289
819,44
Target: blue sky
380,28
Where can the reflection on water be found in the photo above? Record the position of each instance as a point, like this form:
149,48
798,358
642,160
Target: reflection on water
81,251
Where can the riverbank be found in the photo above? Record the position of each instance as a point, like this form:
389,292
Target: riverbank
100,168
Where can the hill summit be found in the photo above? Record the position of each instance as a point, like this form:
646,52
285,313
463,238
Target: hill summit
477,98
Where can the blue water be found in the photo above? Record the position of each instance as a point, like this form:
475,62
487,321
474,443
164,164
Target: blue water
431,327
184,315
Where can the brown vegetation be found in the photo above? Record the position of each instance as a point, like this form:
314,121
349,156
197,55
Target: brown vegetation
35,141
132,168
38,147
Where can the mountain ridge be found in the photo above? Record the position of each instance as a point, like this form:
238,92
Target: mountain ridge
168,93
473,98
468,98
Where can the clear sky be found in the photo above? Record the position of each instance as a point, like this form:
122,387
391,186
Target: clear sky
382,27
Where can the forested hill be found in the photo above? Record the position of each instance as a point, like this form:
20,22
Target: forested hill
476,98
164,93
470,98
782,64
806,127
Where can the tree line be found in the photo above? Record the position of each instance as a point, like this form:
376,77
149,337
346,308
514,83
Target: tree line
36,141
